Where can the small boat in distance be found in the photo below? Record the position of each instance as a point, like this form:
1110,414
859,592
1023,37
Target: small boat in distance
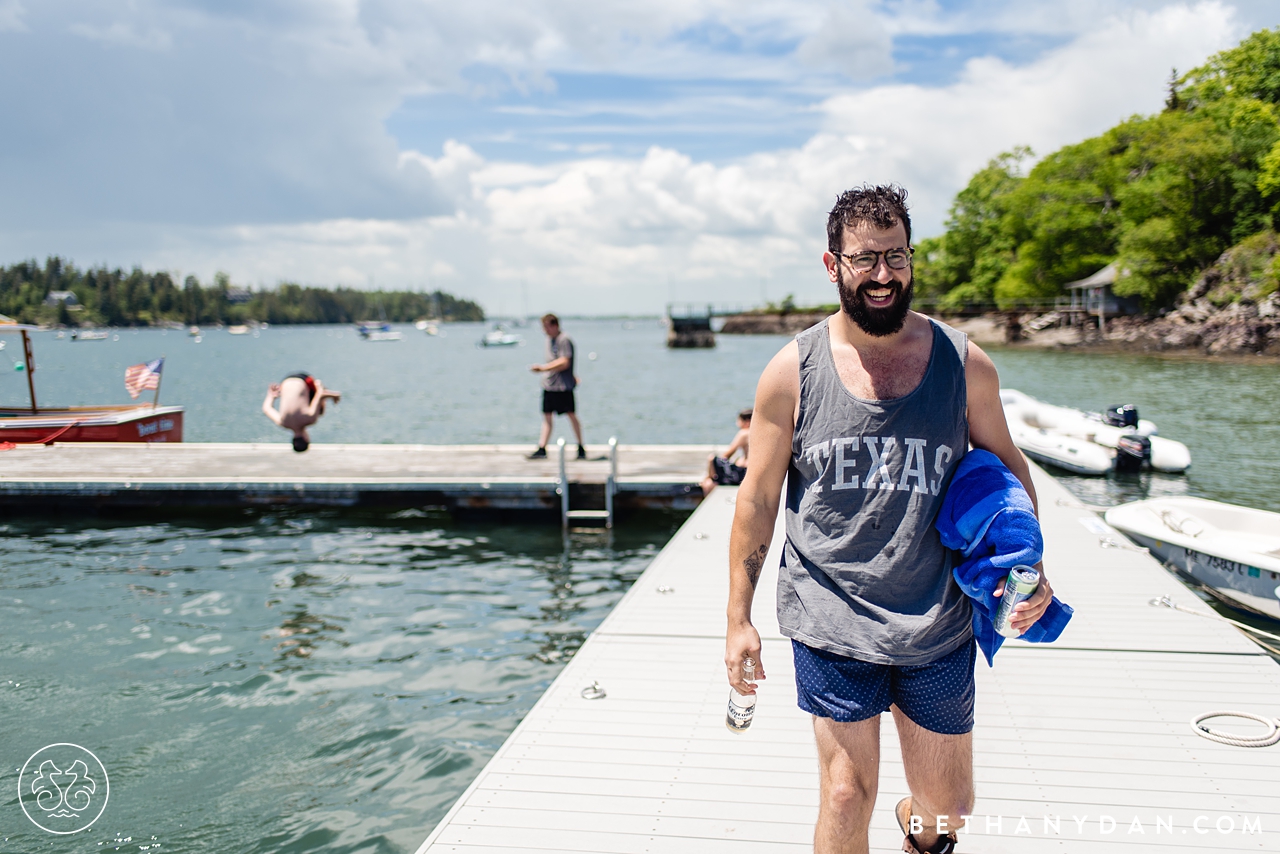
1233,551
498,336
377,330
90,335
1089,442
238,329
136,422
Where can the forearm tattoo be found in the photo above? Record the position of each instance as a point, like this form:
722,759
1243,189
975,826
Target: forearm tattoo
754,563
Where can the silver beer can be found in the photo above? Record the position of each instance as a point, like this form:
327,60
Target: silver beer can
1020,586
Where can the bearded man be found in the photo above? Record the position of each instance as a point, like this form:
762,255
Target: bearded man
866,416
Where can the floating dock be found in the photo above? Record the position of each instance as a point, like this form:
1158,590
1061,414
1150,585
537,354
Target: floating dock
1083,745
96,477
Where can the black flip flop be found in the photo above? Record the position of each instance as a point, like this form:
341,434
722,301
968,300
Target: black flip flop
944,845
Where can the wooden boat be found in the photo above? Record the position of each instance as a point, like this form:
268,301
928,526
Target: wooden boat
1234,551
138,422
1089,442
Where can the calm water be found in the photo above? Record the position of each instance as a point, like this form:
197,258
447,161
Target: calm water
331,681
286,683
444,389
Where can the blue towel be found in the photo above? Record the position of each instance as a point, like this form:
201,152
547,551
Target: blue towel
988,517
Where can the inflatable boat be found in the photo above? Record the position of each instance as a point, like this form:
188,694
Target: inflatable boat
1089,442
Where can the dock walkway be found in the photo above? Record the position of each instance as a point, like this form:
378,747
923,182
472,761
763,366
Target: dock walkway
1080,746
101,476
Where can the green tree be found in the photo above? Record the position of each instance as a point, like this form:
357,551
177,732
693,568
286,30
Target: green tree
972,255
1163,196
1061,221
1251,69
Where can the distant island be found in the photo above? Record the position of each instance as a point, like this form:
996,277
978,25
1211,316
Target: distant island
58,293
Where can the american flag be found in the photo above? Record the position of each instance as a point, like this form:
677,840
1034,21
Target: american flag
146,375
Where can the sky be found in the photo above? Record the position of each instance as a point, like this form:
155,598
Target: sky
550,155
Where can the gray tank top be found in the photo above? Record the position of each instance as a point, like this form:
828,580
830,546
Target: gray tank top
864,573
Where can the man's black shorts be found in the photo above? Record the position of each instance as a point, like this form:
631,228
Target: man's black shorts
727,473
558,402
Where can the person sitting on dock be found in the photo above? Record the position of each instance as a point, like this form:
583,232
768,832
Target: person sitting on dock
865,418
722,470
302,398
558,383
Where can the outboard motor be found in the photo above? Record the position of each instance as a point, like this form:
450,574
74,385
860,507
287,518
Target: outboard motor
1133,452
1124,415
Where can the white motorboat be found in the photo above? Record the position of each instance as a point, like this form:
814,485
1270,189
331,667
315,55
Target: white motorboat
1232,550
378,330
90,335
498,336
1089,442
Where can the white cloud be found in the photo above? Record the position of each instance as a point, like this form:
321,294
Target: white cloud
850,39
939,136
125,35
255,143
11,13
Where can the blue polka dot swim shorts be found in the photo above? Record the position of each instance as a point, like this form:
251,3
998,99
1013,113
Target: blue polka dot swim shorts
938,696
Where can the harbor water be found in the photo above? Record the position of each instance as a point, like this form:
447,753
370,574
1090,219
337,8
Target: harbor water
285,682
331,681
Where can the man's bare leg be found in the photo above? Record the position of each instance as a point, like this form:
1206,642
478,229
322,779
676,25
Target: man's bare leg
939,772
577,427
709,482
545,435
849,769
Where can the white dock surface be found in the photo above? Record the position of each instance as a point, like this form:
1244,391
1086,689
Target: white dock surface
1091,731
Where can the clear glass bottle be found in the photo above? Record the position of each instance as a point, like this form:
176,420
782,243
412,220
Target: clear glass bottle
742,706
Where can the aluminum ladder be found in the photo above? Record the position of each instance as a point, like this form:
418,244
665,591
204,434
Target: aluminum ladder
568,516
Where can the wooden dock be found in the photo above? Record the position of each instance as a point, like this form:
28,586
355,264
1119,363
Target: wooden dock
108,476
1084,745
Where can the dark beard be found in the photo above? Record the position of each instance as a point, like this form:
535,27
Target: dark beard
877,322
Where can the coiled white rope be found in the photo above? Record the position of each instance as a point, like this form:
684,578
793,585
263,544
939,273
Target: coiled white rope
1270,737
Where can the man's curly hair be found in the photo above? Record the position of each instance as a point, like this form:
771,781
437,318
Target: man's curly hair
883,206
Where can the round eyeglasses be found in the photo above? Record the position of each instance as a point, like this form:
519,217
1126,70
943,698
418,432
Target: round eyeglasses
865,262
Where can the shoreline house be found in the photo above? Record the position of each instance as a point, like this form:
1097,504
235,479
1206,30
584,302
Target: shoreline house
66,298
1092,297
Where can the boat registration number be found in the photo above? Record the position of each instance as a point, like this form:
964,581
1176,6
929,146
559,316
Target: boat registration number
1222,564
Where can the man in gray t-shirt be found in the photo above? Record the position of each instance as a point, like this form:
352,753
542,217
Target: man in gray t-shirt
558,383
864,417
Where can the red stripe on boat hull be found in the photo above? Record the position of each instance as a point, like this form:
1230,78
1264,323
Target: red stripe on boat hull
99,425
